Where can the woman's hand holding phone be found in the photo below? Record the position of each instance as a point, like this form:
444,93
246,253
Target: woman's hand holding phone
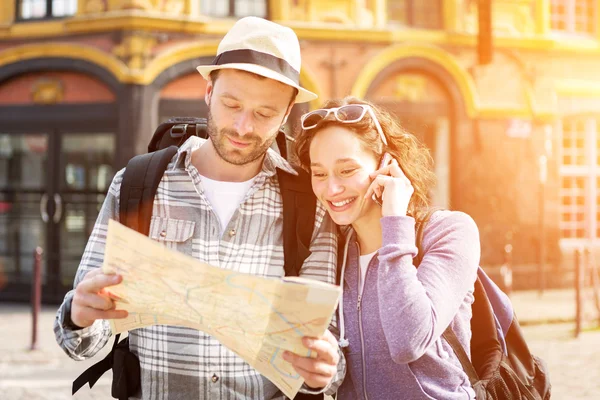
385,160
390,187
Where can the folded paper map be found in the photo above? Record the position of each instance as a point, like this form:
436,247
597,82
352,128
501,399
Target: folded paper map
255,317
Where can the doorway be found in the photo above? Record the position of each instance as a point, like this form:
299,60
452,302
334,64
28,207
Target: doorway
52,185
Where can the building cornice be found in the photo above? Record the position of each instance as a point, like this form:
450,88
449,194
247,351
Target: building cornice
130,20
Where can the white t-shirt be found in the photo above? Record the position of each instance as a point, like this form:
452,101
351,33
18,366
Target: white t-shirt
225,197
364,263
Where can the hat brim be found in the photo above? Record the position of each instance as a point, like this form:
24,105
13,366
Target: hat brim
303,94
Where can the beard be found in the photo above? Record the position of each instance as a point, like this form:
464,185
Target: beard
256,148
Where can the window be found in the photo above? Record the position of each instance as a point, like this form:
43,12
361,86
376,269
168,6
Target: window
234,8
416,13
580,178
41,9
574,16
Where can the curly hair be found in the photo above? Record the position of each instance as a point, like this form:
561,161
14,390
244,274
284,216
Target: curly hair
412,156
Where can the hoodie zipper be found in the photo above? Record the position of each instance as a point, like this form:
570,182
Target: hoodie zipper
362,343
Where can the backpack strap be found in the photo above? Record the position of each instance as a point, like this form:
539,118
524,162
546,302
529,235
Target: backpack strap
140,182
462,356
299,208
493,355
93,373
281,141
176,131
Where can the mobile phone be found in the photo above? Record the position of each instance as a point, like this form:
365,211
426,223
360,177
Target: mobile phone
385,160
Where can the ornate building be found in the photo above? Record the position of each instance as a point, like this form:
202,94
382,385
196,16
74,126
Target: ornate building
515,141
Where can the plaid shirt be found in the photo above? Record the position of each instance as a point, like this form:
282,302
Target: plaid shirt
183,363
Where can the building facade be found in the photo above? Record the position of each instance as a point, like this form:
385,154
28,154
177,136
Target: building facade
515,141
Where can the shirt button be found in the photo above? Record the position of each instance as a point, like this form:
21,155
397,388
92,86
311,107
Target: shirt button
232,232
163,234
214,378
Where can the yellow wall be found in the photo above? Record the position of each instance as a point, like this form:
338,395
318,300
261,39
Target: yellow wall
429,45
7,12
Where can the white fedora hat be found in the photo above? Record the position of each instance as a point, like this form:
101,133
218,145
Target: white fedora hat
262,47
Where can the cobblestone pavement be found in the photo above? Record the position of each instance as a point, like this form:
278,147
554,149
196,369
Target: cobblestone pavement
47,373
574,364
43,374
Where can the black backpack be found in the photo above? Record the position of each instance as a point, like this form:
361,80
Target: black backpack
501,365
138,188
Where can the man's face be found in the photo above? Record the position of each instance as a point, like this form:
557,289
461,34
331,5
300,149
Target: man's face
245,113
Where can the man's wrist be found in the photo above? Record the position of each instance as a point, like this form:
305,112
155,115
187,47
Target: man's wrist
310,390
67,322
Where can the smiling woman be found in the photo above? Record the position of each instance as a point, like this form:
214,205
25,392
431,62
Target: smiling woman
368,133
391,316
341,183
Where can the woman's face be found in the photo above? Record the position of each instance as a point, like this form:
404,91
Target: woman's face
340,168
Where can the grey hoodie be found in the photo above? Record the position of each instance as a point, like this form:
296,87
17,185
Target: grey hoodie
394,332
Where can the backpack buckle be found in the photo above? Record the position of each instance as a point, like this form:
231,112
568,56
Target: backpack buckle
179,130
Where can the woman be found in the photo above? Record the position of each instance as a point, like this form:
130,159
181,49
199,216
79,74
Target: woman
392,315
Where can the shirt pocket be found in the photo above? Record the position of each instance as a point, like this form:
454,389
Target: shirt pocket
173,233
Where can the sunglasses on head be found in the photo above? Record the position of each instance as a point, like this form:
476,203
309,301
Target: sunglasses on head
348,114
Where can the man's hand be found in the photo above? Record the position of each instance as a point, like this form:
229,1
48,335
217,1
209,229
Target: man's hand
317,372
91,301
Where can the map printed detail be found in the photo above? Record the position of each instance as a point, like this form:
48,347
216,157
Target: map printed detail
258,318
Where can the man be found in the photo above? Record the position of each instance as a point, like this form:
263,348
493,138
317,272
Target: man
218,201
